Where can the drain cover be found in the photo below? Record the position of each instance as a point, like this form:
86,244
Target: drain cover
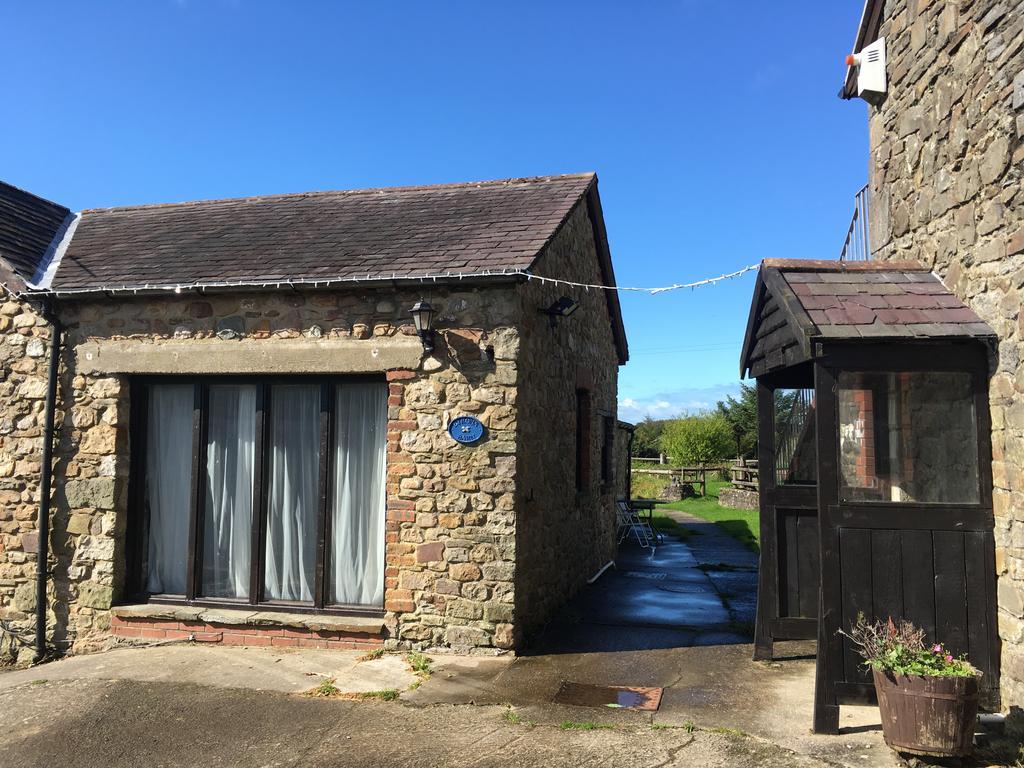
615,696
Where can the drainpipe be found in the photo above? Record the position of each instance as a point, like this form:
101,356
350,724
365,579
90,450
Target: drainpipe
46,470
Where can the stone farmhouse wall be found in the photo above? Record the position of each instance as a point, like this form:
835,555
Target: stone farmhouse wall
946,184
24,351
461,521
564,535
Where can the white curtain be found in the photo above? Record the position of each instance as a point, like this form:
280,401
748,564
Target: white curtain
292,493
357,523
227,524
168,483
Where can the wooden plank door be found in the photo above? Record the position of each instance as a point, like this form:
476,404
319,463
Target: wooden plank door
899,548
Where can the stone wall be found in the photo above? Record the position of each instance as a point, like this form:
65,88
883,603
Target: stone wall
564,536
24,345
450,528
475,554
945,178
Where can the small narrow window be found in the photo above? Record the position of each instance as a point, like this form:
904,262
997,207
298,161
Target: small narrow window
582,439
608,450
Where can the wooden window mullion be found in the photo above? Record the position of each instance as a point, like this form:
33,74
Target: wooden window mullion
259,503
326,412
193,576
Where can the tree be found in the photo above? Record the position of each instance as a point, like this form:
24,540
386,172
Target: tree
647,438
694,440
742,417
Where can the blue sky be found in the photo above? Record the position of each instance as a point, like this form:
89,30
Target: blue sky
714,128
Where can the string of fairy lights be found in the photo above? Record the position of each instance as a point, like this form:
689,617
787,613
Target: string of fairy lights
422,278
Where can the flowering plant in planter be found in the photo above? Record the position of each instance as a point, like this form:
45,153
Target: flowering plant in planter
928,698
899,647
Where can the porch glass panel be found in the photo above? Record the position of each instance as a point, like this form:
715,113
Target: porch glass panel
795,451
908,437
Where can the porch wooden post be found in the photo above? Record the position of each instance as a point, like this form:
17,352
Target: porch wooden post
830,596
767,572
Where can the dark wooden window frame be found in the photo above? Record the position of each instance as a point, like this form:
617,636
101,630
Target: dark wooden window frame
138,517
584,417
607,450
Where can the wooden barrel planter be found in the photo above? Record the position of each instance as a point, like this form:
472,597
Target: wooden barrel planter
931,716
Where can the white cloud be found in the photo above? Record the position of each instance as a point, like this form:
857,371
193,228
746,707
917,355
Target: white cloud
666,405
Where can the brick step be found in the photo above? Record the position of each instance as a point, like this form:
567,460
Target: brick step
252,628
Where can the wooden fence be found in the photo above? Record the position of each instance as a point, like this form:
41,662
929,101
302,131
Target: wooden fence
695,476
744,474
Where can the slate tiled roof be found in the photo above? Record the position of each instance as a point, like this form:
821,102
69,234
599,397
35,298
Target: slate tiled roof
796,302
28,227
458,228
884,303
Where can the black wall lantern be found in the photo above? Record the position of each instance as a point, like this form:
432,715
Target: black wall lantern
423,319
561,308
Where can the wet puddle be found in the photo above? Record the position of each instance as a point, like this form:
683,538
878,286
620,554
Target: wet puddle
613,696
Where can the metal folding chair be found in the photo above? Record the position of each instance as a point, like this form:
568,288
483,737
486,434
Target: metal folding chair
629,522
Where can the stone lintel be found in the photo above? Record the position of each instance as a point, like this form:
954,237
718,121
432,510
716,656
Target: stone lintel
252,356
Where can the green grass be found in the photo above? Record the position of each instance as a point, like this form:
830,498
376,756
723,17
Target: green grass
742,524
646,486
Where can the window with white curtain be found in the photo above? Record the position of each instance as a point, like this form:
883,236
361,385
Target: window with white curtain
262,491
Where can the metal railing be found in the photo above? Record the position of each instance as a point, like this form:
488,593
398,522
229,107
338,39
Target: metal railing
857,246
790,432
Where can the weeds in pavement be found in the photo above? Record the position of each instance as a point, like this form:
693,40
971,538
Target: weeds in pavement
326,689
511,716
419,664
373,655
388,694
689,727
585,725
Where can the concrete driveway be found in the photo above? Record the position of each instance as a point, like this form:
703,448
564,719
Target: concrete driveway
666,621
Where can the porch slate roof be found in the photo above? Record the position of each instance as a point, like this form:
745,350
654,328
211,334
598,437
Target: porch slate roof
796,302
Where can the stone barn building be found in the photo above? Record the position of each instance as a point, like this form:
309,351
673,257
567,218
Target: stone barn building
945,188
253,442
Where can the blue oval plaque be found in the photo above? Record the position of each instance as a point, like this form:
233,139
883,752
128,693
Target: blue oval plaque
466,429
